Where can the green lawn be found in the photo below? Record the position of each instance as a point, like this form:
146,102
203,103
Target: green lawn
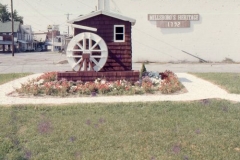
11,76
200,130
228,81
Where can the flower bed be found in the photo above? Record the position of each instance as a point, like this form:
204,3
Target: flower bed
150,82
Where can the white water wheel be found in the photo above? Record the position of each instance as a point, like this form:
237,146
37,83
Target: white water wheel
87,52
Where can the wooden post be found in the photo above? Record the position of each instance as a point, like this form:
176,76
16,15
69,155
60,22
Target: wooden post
12,29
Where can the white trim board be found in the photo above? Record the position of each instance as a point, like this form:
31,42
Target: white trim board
110,14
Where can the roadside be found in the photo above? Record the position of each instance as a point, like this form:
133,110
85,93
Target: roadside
39,62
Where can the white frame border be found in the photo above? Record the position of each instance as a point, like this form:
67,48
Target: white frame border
114,32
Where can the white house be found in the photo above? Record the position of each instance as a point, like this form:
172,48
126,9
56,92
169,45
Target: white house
28,38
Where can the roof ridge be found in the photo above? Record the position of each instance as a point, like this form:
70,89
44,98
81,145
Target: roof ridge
107,13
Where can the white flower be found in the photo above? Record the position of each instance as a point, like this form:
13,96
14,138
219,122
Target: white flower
103,81
155,81
39,82
96,81
110,85
74,87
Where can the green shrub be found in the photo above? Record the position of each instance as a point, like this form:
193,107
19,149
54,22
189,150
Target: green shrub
143,69
170,83
47,84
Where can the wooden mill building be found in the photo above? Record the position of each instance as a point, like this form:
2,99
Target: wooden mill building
116,31
113,32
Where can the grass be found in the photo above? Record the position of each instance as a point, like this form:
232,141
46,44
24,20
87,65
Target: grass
4,78
207,129
228,81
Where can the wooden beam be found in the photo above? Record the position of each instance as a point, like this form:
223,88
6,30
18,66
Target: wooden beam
82,27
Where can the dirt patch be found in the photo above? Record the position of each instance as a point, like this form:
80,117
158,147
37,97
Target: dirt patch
62,62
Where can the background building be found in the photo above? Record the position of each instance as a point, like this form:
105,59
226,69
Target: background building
214,37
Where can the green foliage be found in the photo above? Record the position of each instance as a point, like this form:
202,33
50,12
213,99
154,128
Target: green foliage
170,83
47,84
199,130
143,69
16,17
11,76
5,15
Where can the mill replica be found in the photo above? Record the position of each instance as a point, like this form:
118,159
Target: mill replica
101,47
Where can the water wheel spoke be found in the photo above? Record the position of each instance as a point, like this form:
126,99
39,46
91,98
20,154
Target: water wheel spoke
79,61
87,52
74,56
97,42
94,61
89,41
91,66
84,43
80,46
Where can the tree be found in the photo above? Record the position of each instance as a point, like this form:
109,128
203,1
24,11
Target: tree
5,15
16,17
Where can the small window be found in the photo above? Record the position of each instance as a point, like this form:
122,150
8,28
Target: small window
119,33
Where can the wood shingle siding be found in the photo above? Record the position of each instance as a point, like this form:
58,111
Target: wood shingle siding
119,53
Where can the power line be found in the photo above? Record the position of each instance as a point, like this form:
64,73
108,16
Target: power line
171,45
158,39
35,22
155,49
85,4
37,29
51,6
38,11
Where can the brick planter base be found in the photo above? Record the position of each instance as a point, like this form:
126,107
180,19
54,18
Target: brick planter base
92,76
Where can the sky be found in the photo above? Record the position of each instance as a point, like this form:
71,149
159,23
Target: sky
41,13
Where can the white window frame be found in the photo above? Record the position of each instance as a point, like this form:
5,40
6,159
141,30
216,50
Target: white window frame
118,33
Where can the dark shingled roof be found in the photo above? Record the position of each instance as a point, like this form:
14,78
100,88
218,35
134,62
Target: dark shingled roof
7,27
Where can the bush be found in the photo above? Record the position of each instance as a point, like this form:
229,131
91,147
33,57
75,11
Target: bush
47,84
142,71
48,77
170,83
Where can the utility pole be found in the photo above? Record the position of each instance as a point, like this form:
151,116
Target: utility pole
68,19
12,29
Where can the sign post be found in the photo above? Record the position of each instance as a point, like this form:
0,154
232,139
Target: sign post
12,29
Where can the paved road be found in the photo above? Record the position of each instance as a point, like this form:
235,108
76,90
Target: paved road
38,62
